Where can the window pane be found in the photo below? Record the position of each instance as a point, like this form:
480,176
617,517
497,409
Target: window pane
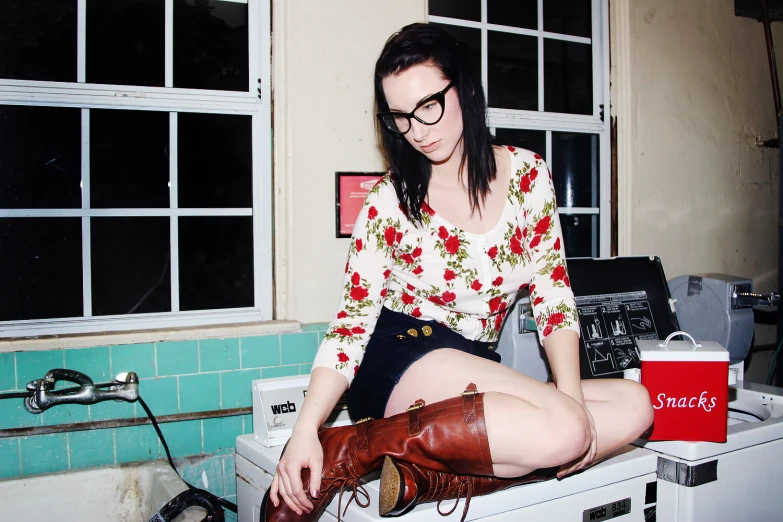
215,161
580,235
215,262
524,139
38,40
210,45
568,77
513,71
464,9
470,40
125,42
516,13
40,157
575,169
129,163
130,265
41,268
568,17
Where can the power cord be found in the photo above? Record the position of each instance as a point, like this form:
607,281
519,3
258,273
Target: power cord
774,363
223,502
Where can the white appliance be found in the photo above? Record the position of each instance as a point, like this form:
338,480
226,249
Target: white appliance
736,480
624,483
621,487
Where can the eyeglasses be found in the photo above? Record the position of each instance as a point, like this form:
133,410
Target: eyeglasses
429,112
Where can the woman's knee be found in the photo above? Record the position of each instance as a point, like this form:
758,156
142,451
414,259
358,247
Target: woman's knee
564,436
639,401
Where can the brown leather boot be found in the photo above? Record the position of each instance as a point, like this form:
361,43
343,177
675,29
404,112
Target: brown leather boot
403,485
452,430
410,480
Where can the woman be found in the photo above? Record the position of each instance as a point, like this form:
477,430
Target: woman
440,250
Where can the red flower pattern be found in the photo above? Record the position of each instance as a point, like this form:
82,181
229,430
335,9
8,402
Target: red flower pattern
516,246
389,235
535,242
542,226
452,245
528,240
358,293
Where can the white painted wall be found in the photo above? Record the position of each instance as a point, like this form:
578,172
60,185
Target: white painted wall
324,54
691,90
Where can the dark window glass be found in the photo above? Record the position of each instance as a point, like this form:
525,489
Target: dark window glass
215,262
526,139
470,41
516,13
125,42
568,77
40,268
131,265
463,9
38,40
580,235
211,45
40,157
568,17
575,169
129,163
513,71
215,161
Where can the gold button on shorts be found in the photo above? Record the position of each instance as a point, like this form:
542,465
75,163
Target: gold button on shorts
413,332
426,330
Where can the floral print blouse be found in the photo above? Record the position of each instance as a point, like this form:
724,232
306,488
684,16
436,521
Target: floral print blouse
436,271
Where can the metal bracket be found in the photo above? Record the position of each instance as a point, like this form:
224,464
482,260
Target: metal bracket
526,321
685,475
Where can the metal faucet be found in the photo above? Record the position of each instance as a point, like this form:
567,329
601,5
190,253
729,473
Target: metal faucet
124,388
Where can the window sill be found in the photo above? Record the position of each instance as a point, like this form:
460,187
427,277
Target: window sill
147,336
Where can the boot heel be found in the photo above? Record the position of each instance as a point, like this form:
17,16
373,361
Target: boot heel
391,490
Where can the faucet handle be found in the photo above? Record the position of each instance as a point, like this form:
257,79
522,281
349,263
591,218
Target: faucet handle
127,378
64,374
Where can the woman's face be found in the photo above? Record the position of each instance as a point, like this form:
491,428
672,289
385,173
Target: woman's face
403,93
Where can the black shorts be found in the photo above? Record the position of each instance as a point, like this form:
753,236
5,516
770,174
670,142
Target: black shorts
393,347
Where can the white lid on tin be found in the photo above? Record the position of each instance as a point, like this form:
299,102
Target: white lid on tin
669,350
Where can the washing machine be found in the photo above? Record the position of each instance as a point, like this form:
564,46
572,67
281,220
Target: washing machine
621,486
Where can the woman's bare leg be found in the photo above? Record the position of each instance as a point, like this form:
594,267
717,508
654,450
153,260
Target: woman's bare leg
529,425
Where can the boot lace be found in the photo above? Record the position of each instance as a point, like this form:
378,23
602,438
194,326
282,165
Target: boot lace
346,479
448,487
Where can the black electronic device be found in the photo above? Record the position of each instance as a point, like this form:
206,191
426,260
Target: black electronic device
619,300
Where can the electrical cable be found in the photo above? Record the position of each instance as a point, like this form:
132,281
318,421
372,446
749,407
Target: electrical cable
774,363
225,503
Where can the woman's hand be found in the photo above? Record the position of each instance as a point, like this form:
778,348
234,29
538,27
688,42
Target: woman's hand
587,458
303,451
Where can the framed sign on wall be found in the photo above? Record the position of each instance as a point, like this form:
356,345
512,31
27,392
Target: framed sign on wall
351,189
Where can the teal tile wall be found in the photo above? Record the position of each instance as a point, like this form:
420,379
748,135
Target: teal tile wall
175,377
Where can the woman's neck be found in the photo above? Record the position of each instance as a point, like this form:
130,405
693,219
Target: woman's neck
447,172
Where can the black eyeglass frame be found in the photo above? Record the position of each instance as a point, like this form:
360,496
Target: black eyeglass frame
440,96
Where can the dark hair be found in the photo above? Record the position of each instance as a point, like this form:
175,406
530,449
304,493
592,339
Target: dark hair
421,43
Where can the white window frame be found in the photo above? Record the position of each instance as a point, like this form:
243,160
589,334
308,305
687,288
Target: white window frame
256,102
559,122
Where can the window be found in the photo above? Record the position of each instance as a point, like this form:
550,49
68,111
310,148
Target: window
135,171
545,69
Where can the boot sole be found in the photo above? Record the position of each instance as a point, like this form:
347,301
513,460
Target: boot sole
391,491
